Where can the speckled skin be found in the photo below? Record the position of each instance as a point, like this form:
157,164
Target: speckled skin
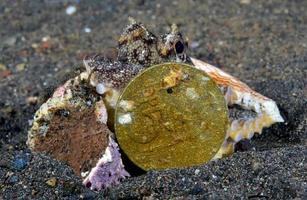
137,49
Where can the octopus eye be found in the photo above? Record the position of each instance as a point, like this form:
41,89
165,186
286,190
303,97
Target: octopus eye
179,47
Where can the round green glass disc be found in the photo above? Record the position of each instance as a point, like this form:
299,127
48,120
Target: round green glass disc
171,115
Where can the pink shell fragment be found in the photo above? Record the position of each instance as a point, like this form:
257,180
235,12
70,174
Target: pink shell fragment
109,169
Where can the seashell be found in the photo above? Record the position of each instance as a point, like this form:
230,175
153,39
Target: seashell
80,137
238,93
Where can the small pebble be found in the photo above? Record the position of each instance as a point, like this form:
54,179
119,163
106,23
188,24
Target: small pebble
245,2
51,182
256,166
20,162
13,179
30,122
7,110
32,100
46,38
71,10
196,172
34,192
10,41
87,30
214,177
84,174
34,45
23,39
20,67
2,67
220,42
5,73
194,45
5,163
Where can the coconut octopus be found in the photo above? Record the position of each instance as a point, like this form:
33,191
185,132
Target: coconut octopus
76,124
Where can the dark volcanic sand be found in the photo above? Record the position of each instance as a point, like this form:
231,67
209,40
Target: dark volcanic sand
264,43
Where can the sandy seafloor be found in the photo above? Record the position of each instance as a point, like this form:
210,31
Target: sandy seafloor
263,43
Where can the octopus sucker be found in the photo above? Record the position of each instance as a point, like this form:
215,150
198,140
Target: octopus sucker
76,124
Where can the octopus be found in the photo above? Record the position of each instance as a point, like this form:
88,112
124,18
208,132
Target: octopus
76,125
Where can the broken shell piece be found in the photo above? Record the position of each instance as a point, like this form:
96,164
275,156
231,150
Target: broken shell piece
71,127
109,169
238,93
